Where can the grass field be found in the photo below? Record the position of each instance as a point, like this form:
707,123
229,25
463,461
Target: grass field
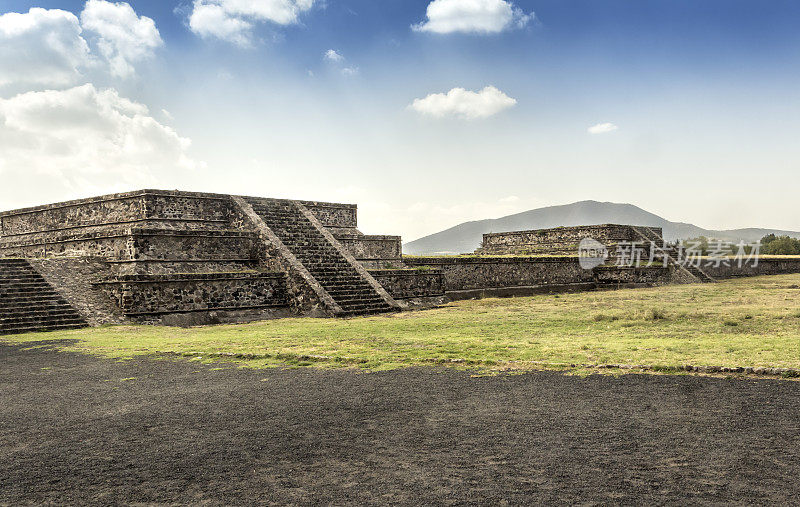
749,322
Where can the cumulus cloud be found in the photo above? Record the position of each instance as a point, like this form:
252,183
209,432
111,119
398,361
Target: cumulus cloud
333,56
49,46
83,139
42,47
602,128
465,104
123,37
472,16
233,20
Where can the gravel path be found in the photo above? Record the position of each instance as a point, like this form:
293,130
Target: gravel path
77,429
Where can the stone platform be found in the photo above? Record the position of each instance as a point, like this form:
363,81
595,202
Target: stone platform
149,255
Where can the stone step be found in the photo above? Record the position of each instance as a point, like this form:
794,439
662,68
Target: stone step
363,303
13,308
7,273
9,268
318,269
32,285
69,317
349,292
29,299
345,280
29,303
30,321
19,279
27,283
12,292
42,328
360,303
335,274
368,311
358,286
7,313
336,290
322,259
339,289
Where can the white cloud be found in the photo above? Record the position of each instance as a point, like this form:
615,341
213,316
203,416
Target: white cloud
48,47
83,139
602,128
333,56
472,16
42,47
233,20
123,37
461,103
510,199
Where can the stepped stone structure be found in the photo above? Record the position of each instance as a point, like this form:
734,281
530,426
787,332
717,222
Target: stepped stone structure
616,238
565,240
548,260
189,258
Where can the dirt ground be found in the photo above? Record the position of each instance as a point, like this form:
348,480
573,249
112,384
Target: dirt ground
77,429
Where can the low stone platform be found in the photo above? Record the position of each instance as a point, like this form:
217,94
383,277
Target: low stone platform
481,276
565,240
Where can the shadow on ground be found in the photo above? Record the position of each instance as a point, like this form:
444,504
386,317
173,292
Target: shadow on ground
77,429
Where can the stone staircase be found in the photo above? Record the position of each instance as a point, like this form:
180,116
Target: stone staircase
330,268
28,303
649,236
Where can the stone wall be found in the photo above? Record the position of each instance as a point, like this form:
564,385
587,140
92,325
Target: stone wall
636,275
158,207
334,216
111,209
765,266
158,294
378,252
132,244
465,273
469,273
410,283
559,240
165,266
74,278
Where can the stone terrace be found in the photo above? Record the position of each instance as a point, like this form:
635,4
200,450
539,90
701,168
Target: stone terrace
187,258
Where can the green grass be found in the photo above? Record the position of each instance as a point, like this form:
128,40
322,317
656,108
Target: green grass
745,322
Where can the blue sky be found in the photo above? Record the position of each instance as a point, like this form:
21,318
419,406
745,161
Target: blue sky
702,101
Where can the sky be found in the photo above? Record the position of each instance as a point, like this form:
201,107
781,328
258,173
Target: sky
424,113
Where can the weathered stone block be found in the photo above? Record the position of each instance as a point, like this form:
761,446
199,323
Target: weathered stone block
158,294
410,283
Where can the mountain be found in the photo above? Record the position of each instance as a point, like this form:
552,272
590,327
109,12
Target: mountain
466,237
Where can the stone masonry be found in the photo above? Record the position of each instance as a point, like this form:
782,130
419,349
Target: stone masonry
185,257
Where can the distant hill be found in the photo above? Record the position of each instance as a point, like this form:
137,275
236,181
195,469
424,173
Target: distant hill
466,237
